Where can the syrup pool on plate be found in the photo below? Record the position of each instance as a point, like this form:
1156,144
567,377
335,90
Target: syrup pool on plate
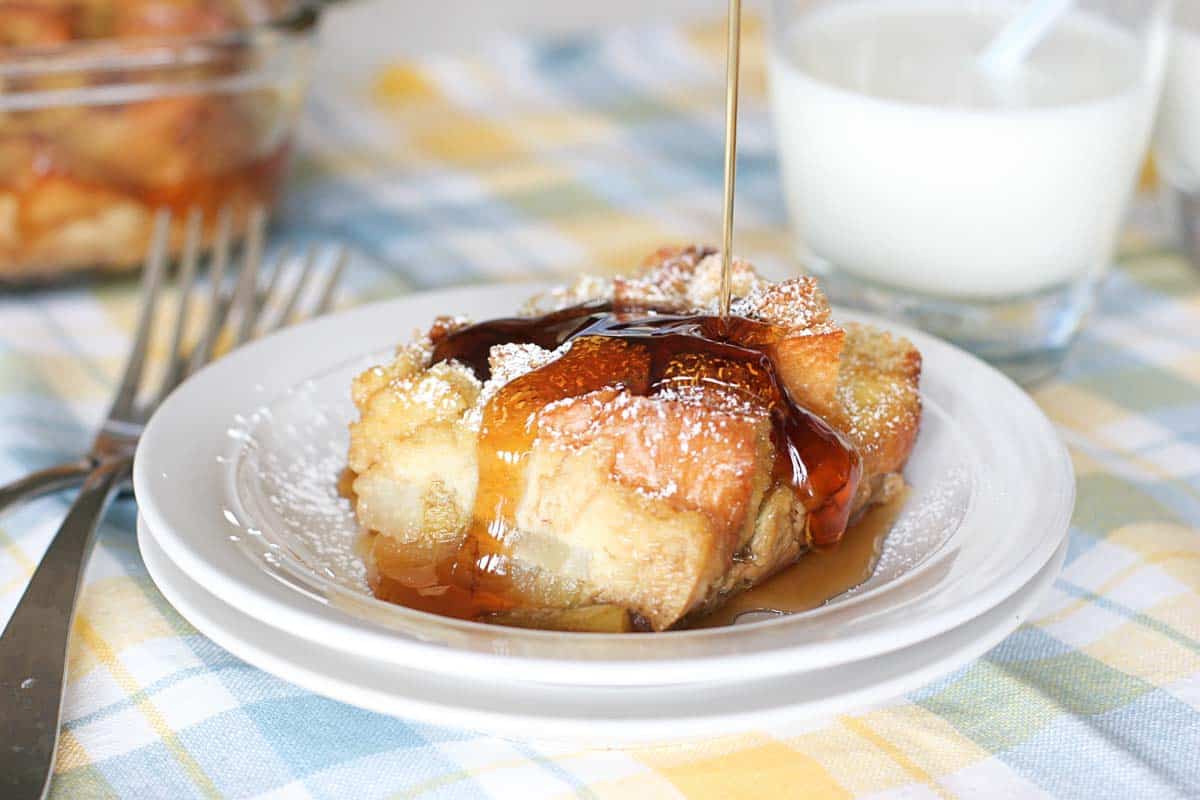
818,576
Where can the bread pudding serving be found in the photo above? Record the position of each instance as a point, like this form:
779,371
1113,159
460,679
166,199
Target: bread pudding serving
111,110
621,456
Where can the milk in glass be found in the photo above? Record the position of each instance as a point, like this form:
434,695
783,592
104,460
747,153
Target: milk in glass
906,166
1178,138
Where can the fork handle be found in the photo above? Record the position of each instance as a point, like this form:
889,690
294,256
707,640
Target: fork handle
33,648
44,481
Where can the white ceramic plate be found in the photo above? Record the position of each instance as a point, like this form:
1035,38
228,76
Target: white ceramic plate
598,716
235,475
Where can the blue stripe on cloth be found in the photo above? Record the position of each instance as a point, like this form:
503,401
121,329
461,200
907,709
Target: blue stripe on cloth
1129,753
1027,644
69,339
1178,497
221,744
1132,615
130,701
1092,356
312,733
340,751
248,685
580,788
1079,542
151,772
1182,418
418,222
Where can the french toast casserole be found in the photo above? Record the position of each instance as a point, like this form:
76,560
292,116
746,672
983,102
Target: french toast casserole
621,457
113,109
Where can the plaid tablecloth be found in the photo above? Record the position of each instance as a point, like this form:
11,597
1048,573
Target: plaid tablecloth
539,159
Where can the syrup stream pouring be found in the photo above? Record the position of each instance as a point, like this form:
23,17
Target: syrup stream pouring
732,65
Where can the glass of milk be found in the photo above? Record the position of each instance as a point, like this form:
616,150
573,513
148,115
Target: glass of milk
1178,139
985,209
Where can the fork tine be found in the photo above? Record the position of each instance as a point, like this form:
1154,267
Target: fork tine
216,306
245,299
331,284
289,307
156,261
277,270
186,279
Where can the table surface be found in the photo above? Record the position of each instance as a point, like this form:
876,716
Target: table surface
540,159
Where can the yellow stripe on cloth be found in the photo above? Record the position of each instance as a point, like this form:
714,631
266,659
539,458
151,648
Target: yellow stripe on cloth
465,139
1188,367
121,616
450,778
710,40
71,754
765,768
910,767
507,156
1145,653
644,786
1174,548
68,376
157,722
9,548
399,84
615,241
1076,408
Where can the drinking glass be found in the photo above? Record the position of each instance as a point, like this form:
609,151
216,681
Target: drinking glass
982,207
1177,143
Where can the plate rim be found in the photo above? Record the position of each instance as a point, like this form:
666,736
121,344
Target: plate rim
596,730
603,671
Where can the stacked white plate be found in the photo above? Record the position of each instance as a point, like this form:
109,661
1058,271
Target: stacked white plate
243,531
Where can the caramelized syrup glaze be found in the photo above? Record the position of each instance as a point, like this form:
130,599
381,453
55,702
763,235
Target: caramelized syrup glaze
644,354
471,345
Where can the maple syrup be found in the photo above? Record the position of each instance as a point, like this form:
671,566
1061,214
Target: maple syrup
816,578
732,69
644,354
471,345
819,575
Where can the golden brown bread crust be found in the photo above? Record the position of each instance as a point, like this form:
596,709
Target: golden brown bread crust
693,456
616,510
878,397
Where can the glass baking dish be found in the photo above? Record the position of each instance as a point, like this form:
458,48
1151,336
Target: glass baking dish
112,109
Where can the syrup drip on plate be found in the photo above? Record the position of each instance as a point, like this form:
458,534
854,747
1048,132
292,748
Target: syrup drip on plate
817,576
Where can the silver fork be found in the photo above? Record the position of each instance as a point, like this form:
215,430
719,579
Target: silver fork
33,647
72,473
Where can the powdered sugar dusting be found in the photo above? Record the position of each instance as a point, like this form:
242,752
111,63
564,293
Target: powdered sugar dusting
287,463
704,290
797,304
435,387
586,288
930,516
655,443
